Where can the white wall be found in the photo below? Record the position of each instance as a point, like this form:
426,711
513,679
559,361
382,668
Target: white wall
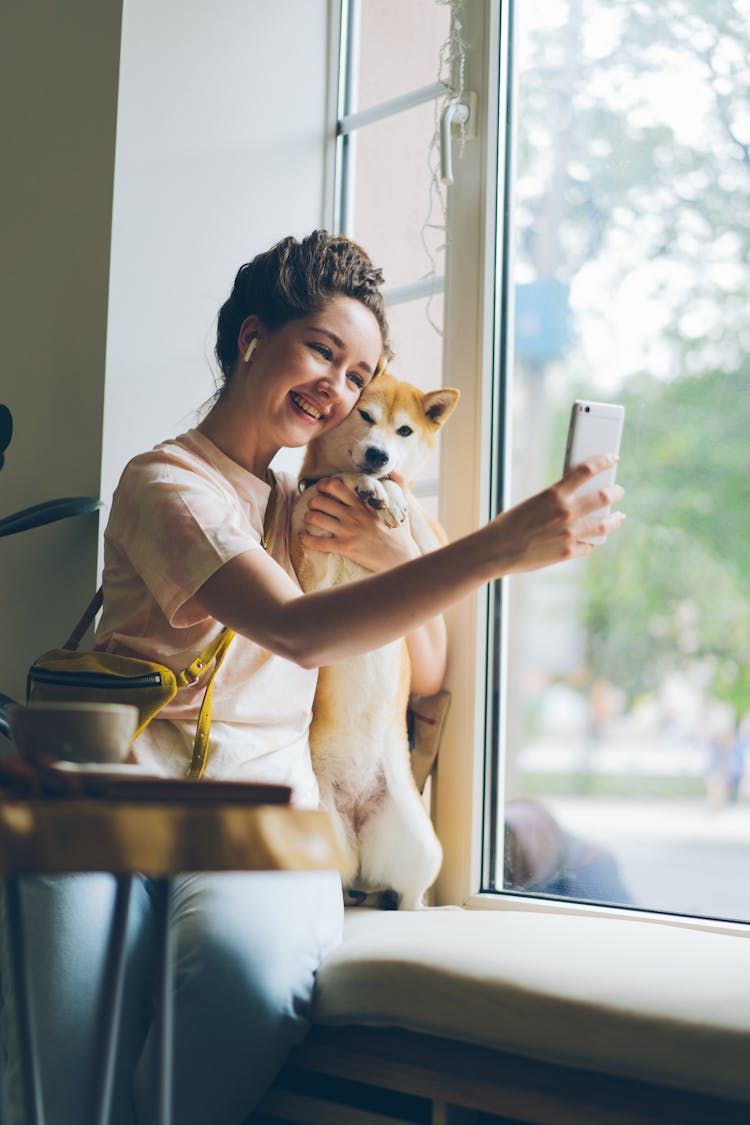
220,139
220,144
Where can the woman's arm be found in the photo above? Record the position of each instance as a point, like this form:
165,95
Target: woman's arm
356,531
255,597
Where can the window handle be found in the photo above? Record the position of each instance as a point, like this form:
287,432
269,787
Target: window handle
456,112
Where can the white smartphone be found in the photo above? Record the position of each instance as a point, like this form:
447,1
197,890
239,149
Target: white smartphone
595,427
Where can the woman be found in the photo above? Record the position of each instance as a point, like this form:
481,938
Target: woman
303,331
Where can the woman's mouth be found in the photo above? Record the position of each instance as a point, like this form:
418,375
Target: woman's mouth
305,406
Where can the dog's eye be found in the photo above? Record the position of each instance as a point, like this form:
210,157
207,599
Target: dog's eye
404,431
367,418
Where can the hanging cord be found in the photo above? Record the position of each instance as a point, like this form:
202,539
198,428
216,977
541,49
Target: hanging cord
451,72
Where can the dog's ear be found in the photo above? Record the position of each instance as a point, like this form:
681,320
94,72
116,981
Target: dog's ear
439,405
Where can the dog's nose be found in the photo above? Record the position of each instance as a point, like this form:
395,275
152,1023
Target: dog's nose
375,457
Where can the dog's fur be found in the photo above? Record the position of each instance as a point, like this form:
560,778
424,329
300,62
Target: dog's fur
358,739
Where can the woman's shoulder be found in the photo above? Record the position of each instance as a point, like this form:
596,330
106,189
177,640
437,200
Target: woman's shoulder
176,451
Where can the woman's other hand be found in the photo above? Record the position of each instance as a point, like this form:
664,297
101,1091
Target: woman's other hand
353,529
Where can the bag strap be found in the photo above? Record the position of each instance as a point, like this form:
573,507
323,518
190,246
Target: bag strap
89,614
216,651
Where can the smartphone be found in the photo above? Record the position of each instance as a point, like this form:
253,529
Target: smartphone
595,427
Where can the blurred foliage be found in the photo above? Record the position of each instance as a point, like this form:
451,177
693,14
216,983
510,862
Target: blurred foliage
604,179
674,583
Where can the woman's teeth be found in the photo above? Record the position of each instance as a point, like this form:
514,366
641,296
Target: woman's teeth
306,407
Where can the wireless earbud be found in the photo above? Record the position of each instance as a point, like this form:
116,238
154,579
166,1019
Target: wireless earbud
250,349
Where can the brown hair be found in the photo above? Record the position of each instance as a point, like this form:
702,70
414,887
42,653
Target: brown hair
294,279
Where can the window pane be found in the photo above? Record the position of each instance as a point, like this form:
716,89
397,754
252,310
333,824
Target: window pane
628,711
392,164
399,47
417,343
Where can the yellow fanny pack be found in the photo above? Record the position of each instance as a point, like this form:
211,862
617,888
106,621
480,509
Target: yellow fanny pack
65,675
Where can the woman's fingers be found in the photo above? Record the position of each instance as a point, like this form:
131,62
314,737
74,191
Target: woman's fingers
591,467
599,498
601,526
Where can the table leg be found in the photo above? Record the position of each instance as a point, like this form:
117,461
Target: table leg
112,1014
165,1011
30,1070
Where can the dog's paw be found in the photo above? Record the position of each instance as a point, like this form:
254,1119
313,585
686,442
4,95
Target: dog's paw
371,497
397,508
386,500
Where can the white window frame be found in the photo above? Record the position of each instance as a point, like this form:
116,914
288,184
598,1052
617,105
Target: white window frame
468,494
475,342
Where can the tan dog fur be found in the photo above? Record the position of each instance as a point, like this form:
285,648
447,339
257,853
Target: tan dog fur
358,739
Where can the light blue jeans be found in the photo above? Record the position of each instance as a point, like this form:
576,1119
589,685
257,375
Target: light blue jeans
247,949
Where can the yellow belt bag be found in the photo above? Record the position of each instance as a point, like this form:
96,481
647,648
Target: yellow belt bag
65,675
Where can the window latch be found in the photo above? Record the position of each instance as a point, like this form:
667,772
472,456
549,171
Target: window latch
461,112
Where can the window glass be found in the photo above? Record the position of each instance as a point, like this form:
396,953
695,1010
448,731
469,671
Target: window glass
415,334
392,163
627,724
399,46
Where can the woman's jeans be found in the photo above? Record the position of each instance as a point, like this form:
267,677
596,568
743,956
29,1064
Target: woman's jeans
247,949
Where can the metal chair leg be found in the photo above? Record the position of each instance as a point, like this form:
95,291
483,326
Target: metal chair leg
112,1014
165,1011
30,1069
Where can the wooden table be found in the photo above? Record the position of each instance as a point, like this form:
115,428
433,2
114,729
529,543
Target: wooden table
152,827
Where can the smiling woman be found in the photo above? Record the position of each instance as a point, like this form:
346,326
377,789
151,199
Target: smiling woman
301,334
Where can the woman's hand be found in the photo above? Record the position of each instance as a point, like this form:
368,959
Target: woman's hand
354,530
555,524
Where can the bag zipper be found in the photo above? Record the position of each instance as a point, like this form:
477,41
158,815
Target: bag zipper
95,679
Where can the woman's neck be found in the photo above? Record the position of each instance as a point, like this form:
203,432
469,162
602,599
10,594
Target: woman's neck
230,432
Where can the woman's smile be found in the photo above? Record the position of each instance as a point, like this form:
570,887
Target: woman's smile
306,407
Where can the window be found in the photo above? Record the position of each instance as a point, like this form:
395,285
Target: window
597,247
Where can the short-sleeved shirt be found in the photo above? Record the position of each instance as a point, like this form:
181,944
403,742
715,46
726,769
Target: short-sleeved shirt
179,513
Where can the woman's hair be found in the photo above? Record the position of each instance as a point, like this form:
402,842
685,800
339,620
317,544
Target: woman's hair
294,279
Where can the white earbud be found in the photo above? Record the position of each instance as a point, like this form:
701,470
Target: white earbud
250,349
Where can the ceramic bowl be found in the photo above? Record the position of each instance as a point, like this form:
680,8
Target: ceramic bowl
74,732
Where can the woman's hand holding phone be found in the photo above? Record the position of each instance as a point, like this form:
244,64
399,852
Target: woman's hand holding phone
562,522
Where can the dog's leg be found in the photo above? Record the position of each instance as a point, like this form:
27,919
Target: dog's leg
398,847
345,833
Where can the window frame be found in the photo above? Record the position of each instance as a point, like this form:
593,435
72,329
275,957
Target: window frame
470,491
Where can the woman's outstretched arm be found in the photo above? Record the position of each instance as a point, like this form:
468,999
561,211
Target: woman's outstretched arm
255,597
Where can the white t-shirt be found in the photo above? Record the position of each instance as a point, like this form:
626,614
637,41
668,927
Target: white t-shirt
179,513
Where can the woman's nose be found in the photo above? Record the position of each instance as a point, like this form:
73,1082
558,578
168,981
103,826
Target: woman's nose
334,381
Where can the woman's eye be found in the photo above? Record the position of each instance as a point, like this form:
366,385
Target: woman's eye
404,431
367,418
356,379
322,350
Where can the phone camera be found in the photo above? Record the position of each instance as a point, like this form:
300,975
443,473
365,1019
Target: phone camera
587,409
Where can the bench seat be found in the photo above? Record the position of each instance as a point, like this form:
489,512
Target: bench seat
640,1011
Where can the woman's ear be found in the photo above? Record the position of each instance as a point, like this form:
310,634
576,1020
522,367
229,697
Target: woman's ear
249,334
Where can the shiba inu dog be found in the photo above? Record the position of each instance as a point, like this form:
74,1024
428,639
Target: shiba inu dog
358,738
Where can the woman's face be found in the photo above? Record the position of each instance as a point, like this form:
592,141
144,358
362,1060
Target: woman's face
306,376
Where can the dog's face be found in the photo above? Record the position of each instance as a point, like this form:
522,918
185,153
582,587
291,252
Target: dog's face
391,429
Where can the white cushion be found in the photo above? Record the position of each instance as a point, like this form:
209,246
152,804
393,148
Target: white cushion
625,997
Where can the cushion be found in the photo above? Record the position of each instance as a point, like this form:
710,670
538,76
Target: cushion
628,997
